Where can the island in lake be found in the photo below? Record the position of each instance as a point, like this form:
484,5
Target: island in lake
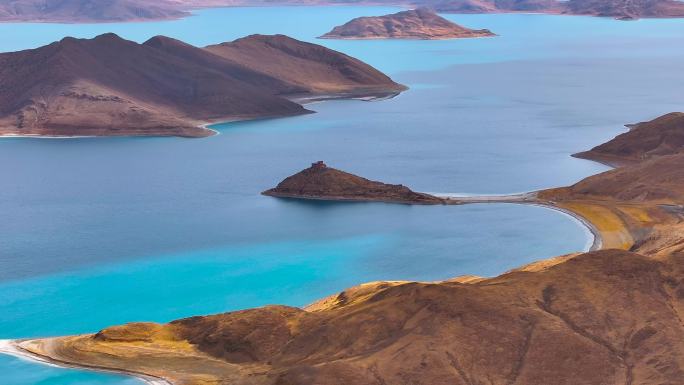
558,321
108,86
418,23
326,183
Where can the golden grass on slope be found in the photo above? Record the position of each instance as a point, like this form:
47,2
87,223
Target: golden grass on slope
615,234
159,354
350,296
638,213
544,264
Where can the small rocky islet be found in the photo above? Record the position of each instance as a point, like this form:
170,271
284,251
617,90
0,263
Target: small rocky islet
420,23
326,183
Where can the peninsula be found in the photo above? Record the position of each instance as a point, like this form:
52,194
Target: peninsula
325,183
559,321
418,23
108,86
647,140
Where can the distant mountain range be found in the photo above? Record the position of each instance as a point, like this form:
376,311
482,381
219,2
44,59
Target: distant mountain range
110,86
76,11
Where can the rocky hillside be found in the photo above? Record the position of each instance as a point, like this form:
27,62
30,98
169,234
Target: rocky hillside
561,323
660,136
312,68
111,86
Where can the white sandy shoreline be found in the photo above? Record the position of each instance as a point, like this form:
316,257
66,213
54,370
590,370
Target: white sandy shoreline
594,241
13,348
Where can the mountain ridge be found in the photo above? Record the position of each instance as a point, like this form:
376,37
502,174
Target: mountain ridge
111,86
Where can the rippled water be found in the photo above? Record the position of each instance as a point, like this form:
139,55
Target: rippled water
104,231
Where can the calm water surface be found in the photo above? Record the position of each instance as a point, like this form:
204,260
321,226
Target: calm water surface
98,232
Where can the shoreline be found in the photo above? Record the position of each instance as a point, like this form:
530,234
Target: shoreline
207,124
594,241
410,38
13,348
353,200
531,199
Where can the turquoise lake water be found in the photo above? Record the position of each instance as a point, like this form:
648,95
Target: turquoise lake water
98,232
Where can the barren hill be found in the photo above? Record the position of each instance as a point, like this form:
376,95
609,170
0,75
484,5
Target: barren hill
661,136
111,86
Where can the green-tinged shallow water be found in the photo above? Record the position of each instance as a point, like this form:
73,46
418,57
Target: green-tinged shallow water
98,232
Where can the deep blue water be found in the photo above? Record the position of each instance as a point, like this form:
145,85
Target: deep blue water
98,232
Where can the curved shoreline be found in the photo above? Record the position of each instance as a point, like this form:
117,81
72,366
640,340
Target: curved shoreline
530,199
595,242
14,349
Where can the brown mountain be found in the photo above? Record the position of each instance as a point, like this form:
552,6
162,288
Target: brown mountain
661,136
659,180
111,86
322,182
80,11
626,9
562,323
414,24
312,68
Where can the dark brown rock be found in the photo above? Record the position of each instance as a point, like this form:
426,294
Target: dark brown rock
322,182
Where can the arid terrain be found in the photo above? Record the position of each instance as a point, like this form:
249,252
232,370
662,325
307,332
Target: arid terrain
413,24
612,316
108,86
